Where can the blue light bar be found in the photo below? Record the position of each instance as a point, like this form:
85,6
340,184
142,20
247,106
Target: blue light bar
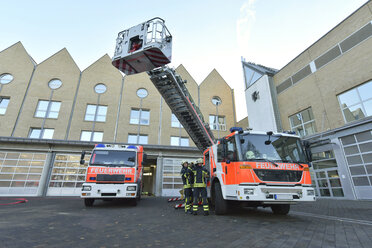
132,147
100,145
233,129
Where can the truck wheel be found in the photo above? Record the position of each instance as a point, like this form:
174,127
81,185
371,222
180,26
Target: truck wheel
88,202
281,209
133,202
220,204
139,193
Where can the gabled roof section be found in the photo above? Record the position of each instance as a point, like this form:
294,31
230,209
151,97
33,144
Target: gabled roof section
61,53
103,64
19,46
214,77
185,73
264,70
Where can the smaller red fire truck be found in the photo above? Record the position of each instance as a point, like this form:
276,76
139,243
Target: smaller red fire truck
114,171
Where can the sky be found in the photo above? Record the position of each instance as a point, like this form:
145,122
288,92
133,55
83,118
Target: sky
207,35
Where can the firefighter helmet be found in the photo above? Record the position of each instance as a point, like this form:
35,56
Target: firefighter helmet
199,161
184,161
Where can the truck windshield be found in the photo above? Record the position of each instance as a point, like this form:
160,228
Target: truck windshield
281,149
113,158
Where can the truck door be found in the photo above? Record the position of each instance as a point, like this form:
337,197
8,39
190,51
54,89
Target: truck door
229,161
207,165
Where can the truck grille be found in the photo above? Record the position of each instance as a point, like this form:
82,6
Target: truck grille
110,178
278,175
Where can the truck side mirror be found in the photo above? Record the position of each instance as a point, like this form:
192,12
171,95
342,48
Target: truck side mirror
144,158
309,155
82,161
224,148
268,142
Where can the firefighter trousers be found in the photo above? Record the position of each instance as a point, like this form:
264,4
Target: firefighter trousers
188,198
200,191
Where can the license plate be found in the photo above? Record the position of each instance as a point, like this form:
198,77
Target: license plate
283,197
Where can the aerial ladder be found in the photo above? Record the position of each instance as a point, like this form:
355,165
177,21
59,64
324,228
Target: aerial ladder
147,47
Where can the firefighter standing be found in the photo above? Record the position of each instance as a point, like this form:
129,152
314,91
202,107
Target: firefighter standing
200,186
187,179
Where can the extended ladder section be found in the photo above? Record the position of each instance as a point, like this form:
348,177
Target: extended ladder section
148,47
172,88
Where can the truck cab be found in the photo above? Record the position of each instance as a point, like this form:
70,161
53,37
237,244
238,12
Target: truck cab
114,171
259,169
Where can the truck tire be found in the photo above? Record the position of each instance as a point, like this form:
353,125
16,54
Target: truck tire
281,209
220,204
133,202
139,193
88,202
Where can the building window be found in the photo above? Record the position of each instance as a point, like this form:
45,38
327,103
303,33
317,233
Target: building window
138,139
55,84
175,122
250,75
356,103
217,122
6,78
47,109
303,123
179,141
3,105
135,117
96,113
87,136
216,101
142,93
100,88
38,133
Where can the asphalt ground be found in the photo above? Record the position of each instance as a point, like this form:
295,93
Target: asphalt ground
66,222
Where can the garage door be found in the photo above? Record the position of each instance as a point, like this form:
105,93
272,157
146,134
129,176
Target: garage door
358,153
20,173
172,182
67,175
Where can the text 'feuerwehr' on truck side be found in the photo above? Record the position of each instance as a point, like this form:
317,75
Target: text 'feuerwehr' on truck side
114,171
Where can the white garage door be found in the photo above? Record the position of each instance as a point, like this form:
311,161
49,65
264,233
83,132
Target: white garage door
172,182
20,173
68,175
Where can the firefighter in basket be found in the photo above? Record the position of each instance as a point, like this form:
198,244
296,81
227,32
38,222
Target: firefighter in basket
200,186
187,179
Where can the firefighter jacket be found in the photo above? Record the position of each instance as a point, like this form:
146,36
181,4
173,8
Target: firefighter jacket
200,176
187,178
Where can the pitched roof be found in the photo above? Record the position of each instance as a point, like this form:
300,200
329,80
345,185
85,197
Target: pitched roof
260,68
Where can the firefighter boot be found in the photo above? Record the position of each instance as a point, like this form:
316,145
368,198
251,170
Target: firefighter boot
195,209
206,209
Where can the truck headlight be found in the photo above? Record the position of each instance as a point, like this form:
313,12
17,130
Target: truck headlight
86,188
310,192
248,191
131,188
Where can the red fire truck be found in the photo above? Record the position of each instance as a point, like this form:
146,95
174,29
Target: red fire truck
114,171
259,169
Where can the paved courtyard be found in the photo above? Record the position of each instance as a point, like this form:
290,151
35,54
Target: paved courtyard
65,222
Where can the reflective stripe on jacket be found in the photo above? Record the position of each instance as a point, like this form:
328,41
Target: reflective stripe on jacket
187,178
200,175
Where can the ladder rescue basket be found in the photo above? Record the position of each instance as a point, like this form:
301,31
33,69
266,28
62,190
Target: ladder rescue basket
143,47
